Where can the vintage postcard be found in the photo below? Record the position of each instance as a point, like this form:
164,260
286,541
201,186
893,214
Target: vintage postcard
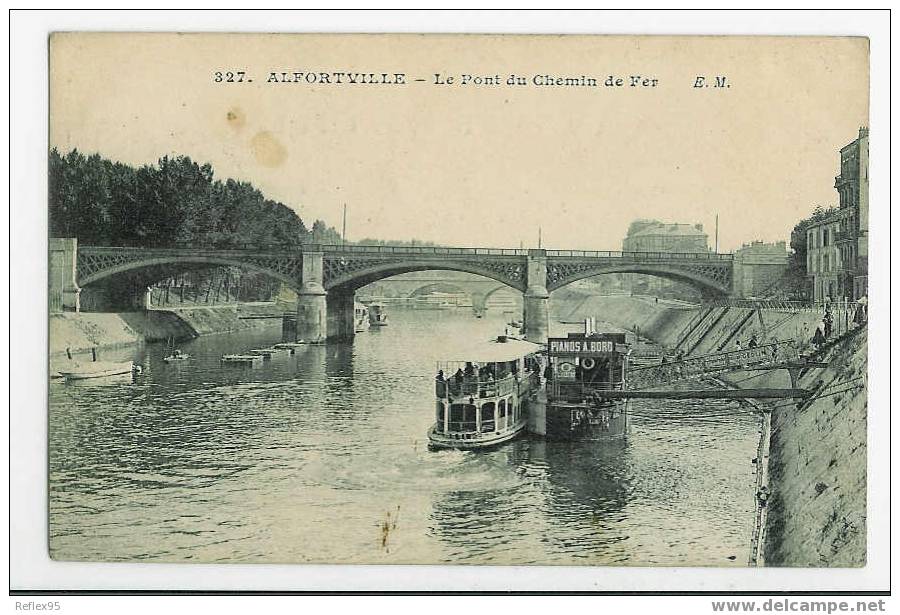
458,299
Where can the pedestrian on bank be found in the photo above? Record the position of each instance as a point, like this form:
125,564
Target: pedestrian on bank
827,322
818,338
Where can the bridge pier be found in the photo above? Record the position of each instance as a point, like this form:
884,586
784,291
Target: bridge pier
63,292
311,304
536,309
341,325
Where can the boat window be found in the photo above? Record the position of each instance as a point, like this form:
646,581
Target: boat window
487,411
502,412
456,413
469,416
487,417
462,417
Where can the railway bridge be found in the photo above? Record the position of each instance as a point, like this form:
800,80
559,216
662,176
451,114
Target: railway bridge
326,277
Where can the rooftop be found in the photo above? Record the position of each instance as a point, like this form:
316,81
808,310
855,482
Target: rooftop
496,351
683,230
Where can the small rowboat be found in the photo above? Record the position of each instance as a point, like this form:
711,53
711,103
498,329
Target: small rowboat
97,369
265,352
241,359
292,346
177,355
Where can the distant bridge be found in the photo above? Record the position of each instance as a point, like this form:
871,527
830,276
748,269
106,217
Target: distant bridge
326,277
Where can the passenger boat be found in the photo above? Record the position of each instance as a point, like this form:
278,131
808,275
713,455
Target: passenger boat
581,367
360,317
377,315
482,398
97,369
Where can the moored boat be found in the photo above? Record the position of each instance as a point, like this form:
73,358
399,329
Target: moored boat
266,353
360,317
377,315
482,398
177,355
581,367
97,369
241,359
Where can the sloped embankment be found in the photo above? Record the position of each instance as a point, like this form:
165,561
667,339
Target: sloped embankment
817,466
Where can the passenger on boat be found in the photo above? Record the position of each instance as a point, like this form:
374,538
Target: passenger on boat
753,343
458,376
470,370
548,372
440,375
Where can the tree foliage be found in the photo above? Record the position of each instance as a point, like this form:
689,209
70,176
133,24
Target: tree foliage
175,202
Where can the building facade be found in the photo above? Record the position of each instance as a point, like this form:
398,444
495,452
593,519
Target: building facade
655,236
825,263
758,269
852,241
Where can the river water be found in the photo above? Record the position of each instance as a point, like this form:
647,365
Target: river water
321,457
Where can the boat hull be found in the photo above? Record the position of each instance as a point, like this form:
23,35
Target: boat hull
99,371
438,440
582,422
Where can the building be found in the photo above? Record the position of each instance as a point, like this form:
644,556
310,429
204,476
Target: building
758,269
655,236
852,241
825,262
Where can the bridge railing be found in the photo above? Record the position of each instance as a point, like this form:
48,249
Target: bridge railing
421,250
436,250
642,256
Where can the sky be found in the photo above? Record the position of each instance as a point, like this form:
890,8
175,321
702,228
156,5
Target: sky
483,165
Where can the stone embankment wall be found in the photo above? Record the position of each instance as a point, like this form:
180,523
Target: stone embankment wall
80,332
817,455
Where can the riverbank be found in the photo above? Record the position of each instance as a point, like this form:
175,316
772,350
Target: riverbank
815,478
79,334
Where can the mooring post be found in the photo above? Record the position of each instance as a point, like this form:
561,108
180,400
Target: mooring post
537,299
311,305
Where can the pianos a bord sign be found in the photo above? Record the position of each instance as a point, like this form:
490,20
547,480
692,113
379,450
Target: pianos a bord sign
587,346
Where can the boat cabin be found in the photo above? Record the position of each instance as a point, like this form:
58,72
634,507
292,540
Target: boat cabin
481,398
